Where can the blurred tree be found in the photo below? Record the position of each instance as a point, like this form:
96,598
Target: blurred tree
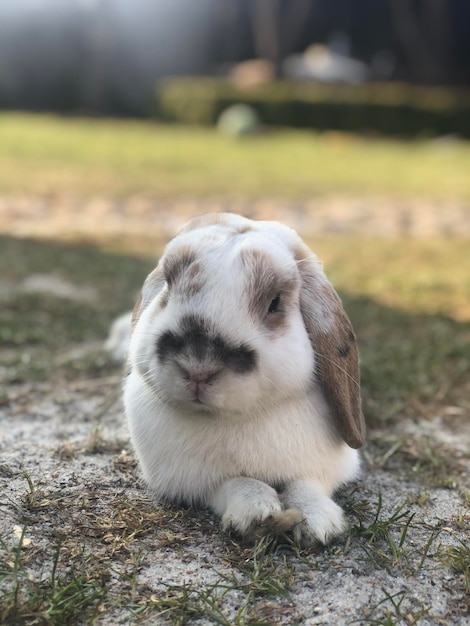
100,51
107,55
277,27
423,29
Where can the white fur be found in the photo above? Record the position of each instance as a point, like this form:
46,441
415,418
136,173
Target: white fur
254,432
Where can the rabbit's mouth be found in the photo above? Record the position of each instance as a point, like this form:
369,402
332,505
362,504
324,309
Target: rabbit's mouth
200,397
198,405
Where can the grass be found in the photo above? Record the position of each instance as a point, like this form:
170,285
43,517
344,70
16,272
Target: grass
257,578
91,569
392,611
409,303
457,557
36,330
81,582
57,600
383,530
42,155
426,276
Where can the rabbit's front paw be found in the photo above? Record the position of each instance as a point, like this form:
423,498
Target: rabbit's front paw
257,521
251,508
322,519
321,525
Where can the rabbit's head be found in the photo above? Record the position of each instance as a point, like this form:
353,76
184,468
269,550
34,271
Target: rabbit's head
238,316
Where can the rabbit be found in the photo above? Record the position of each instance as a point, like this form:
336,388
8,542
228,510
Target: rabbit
242,393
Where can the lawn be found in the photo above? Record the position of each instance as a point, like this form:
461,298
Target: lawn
80,542
53,155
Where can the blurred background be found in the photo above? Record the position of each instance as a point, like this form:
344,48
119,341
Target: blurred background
107,56
357,113
121,119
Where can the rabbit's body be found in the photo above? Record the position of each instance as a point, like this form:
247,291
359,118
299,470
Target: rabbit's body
193,452
229,398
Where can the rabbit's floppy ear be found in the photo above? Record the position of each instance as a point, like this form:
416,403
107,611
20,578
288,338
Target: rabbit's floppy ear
334,344
153,284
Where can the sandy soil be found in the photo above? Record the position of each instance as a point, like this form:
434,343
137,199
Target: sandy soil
67,473
136,216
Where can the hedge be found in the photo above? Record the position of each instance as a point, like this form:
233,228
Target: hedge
385,108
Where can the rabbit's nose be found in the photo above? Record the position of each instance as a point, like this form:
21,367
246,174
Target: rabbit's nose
197,380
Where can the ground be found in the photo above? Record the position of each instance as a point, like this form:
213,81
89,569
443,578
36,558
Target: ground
82,542
85,207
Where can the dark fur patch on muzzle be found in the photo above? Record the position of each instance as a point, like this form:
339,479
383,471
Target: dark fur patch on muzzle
196,340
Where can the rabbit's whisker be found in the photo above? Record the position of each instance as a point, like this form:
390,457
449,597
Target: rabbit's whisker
341,369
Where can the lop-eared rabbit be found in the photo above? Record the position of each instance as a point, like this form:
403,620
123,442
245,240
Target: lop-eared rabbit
243,386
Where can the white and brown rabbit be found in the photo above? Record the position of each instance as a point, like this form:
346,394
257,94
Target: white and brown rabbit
243,390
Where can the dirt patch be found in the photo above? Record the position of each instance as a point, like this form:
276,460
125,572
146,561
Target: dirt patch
138,216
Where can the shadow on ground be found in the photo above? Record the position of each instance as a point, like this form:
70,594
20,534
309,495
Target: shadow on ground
410,363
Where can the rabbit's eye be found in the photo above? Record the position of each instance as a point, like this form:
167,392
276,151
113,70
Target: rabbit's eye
275,303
